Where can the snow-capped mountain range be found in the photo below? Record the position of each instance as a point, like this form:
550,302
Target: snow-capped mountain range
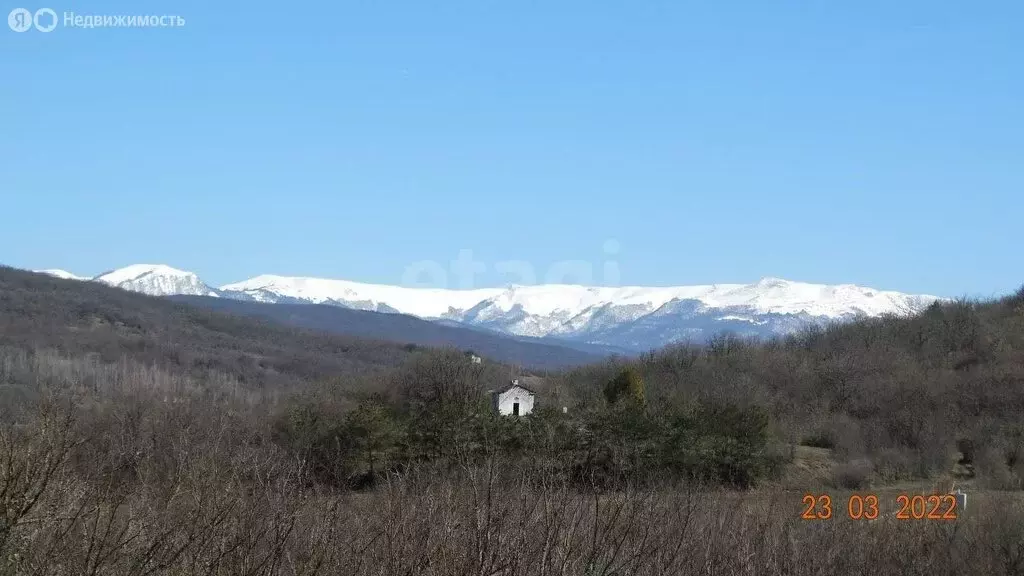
636,318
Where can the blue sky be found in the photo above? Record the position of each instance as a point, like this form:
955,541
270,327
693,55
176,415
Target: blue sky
876,143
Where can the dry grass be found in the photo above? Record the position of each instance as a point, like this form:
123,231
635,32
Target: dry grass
246,513
144,484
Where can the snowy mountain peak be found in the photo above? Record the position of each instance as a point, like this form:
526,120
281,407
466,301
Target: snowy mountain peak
62,274
136,271
422,302
634,317
156,280
771,282
630,316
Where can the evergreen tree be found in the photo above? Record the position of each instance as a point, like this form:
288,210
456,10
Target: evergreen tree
372,432
627,384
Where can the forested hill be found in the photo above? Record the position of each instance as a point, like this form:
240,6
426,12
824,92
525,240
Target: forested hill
892,398
532,353
39,312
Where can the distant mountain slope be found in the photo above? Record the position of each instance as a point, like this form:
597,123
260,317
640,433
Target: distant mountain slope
87,318
533,353
767,296
64,274
633,318
156,280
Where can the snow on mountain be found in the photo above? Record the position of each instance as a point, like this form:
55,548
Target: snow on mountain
156,280
768,296
635,317
422,302
631,317
62,274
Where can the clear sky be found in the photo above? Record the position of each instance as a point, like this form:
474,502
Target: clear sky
873,142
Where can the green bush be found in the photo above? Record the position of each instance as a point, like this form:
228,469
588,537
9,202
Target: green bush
627,384
317,438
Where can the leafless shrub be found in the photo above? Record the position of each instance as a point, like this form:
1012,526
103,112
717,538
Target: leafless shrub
136,467
32,459
852,475
892,465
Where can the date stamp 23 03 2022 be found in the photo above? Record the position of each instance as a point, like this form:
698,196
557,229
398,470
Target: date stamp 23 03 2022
869,507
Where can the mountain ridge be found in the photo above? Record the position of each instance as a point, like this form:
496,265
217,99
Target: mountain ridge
638,318
156,280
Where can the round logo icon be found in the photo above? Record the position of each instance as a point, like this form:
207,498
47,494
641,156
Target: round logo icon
45,24
21,20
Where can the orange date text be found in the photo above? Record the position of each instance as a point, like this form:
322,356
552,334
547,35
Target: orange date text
869,507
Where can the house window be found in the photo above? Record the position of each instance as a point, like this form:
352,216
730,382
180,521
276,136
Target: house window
515,409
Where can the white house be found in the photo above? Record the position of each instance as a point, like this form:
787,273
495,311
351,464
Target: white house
514,400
